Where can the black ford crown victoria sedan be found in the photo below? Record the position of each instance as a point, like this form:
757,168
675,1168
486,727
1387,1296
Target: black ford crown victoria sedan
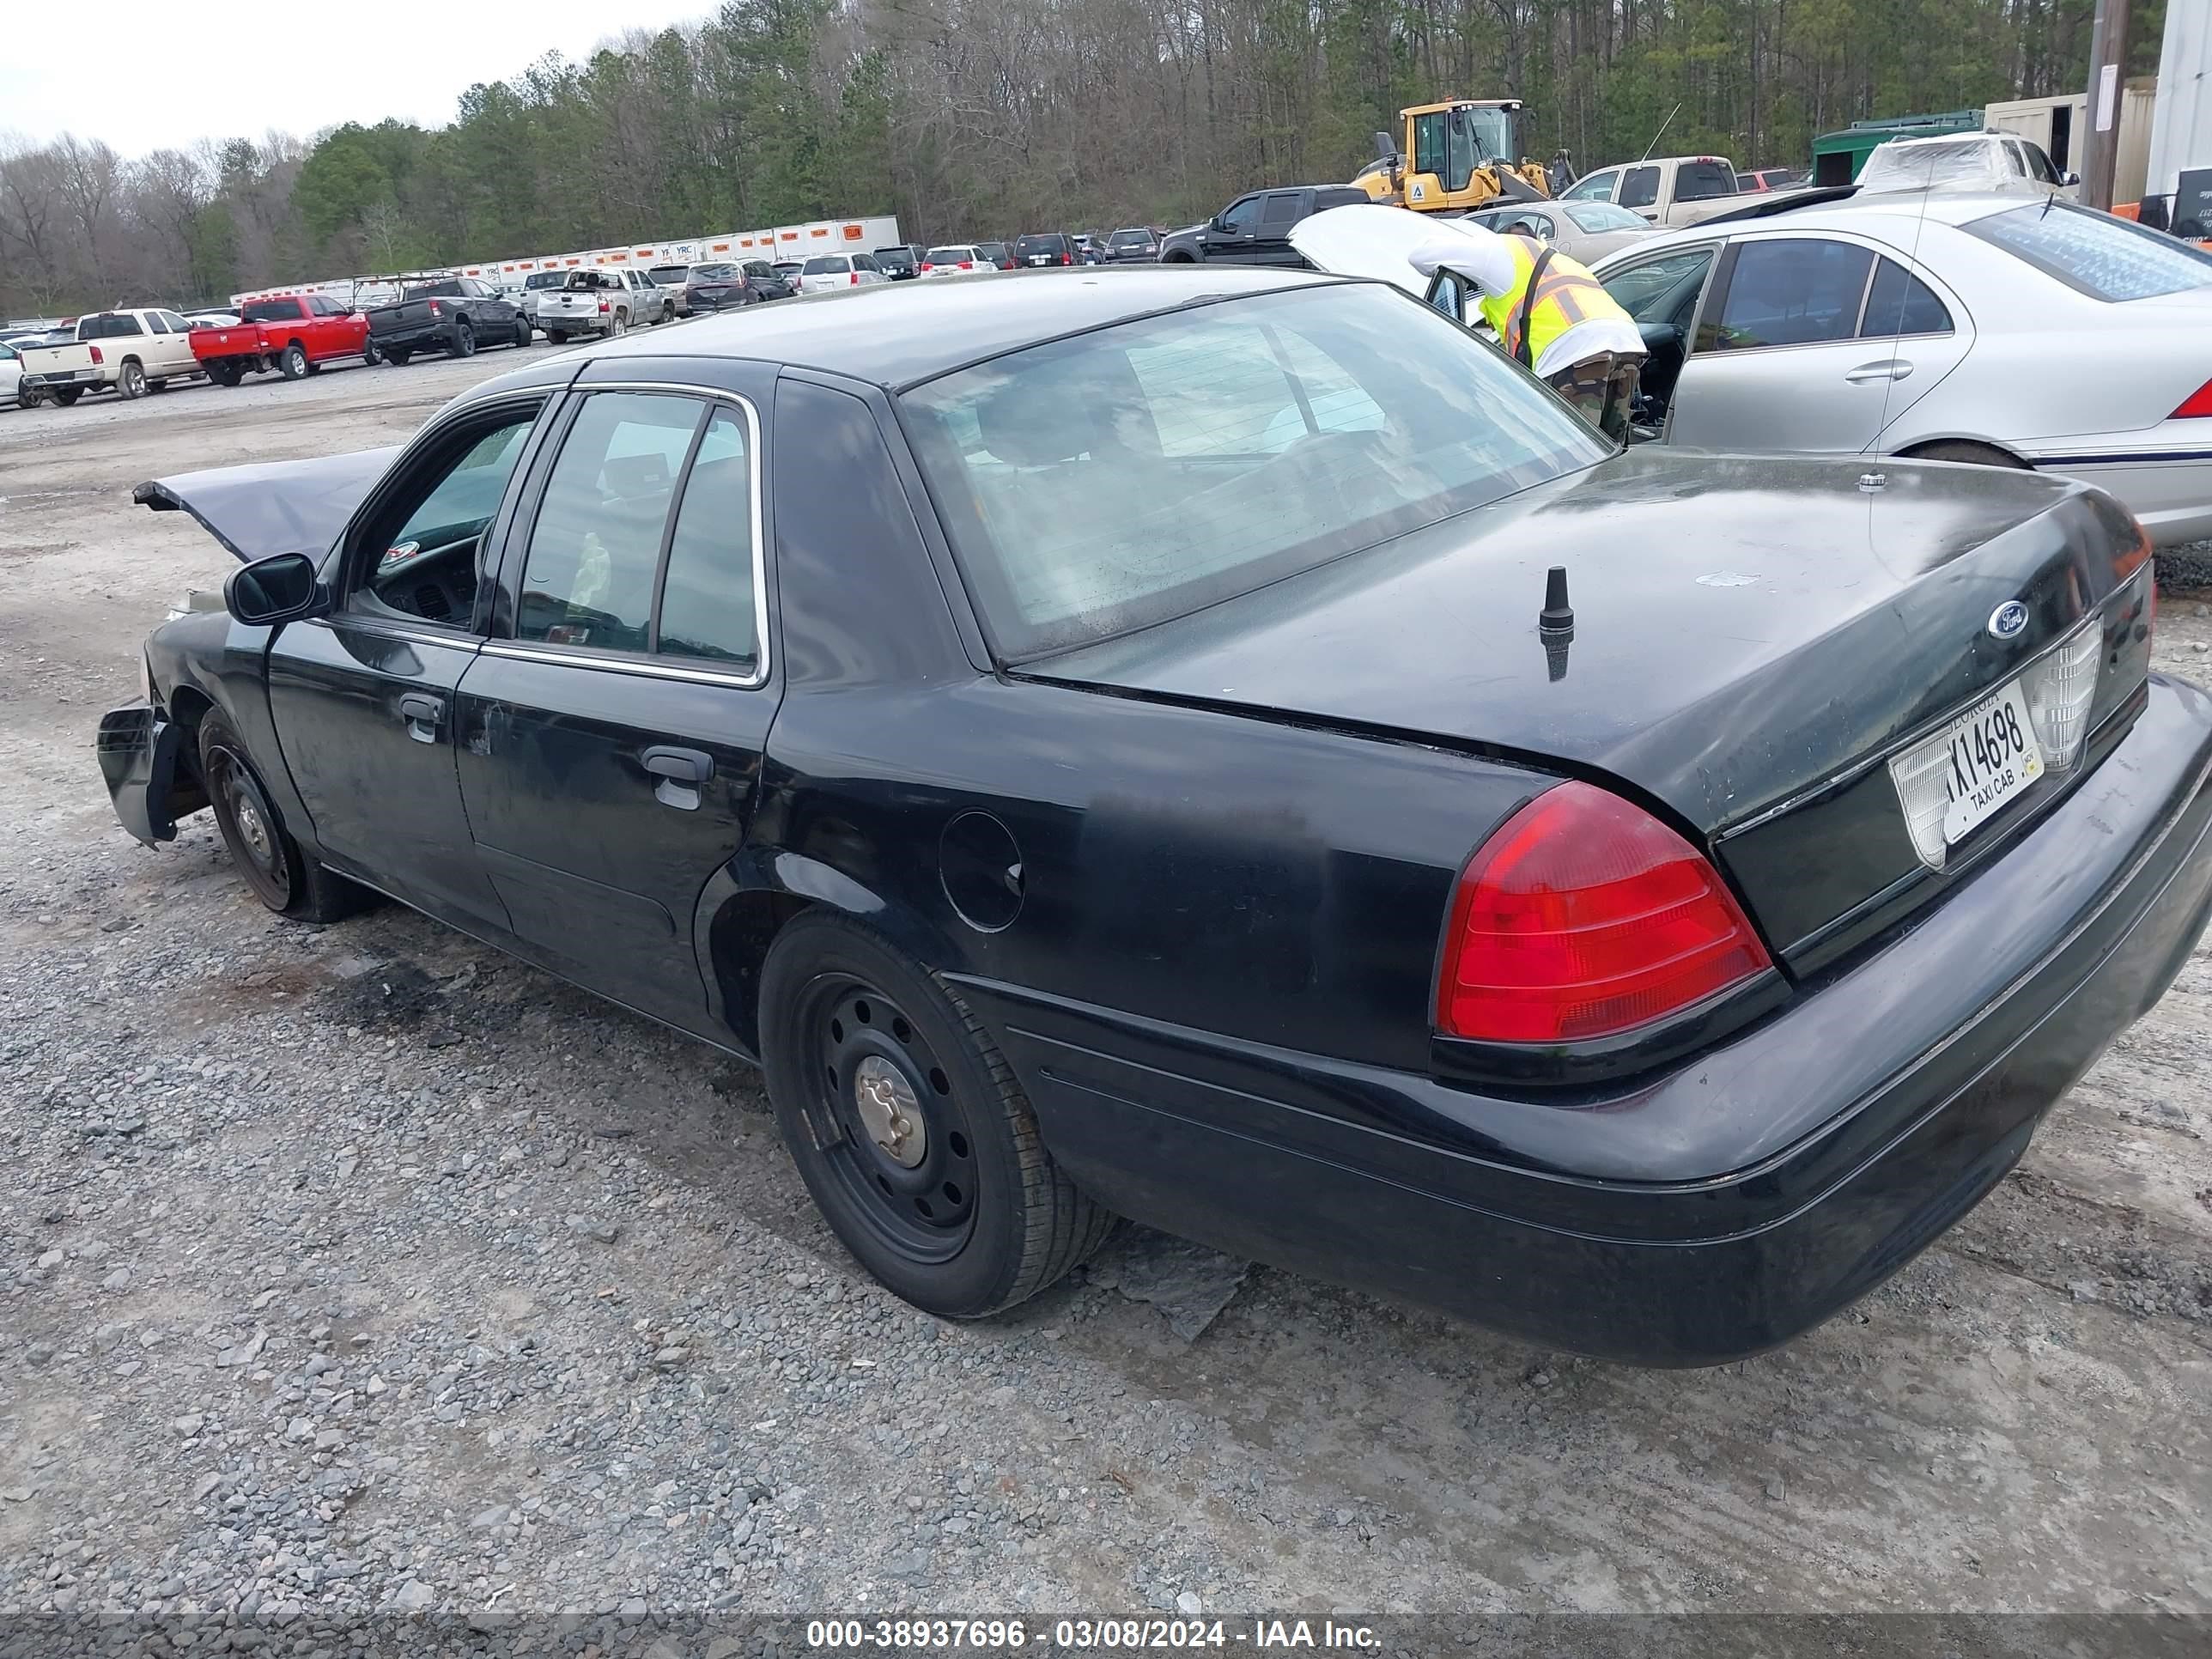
1117,747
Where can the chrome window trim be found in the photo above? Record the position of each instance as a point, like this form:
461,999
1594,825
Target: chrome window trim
651,663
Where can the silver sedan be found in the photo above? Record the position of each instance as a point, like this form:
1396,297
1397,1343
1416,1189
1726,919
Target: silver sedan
1952,327
1587,231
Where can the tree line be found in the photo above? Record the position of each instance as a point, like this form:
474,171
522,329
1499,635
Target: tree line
987,118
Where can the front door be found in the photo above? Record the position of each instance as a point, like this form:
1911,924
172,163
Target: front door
1232,236
612,740
1811,345
363,699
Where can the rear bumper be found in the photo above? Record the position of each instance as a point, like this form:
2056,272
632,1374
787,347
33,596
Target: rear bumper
63,378
1699,1216
138,755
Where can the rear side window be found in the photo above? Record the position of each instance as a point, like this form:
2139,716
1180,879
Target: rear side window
1901,303
1789,291
1639,187
707,596
595,548
1282,208
2095,254
1701,181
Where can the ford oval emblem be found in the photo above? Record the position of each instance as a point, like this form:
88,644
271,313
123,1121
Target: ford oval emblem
2008,619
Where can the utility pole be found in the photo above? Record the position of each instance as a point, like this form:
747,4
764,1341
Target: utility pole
2108,68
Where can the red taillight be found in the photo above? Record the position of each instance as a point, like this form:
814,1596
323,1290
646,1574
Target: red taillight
602,305
436,309
96,357
2198,404
926,265
967,265
1068,258
1583,916
852,279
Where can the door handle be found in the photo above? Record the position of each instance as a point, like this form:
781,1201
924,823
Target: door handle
678,765
676,774
1895,368
422,715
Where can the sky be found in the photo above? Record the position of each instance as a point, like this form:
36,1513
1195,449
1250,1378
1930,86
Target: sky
173,75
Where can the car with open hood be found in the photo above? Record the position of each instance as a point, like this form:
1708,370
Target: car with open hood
1229,749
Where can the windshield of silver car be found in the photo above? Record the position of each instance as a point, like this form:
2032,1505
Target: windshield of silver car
1113,480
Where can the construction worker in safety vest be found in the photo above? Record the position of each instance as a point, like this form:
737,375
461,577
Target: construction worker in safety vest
1551,316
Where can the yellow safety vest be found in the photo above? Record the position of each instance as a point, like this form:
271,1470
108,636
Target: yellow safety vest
1566,295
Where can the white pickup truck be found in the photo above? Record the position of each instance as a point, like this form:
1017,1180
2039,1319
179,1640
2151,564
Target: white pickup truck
599,301
133,351
1666,190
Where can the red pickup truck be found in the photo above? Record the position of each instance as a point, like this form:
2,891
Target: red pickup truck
294,334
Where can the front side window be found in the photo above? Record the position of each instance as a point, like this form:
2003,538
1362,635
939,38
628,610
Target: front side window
2094,253
1242,219
1795,291
2038,164
156,323
1136,472
1661,290
422,556
1639,187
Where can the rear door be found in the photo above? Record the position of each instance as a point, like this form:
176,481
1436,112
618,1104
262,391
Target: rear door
363,699
1279,211
1811,345
614,731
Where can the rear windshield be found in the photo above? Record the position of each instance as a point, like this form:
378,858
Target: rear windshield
951,256
1700,181
542,279
713,273
1139,472
269,311
451,285
992,250
894,256
1597,217
2102,257
667,276
1130,238
1029,245
827,262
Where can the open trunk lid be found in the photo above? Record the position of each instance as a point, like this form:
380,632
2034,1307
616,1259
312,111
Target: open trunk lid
1778,629
276,507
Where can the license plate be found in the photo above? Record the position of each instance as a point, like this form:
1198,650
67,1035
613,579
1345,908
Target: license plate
1988,755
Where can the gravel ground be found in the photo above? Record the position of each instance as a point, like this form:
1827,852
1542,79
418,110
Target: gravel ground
362,1269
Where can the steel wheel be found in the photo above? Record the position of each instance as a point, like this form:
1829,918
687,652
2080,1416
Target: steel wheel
905,1158
249,825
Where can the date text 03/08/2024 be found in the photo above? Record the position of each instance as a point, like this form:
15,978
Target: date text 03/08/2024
1010,1635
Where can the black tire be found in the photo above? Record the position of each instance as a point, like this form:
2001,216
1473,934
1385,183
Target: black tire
556,337
225,374
131,379
292,362
617,322
313,367
464,340
29,397
399,355
281,877
983,1218
157,385
371,353
67,396
1972,454
522,331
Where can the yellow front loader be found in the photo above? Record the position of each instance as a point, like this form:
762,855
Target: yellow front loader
1452,156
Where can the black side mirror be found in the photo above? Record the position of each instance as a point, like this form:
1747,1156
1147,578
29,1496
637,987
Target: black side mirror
272,592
